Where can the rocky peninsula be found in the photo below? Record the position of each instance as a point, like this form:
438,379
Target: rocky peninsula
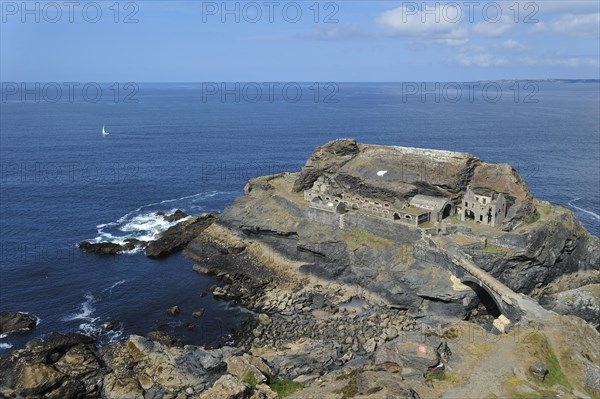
374,272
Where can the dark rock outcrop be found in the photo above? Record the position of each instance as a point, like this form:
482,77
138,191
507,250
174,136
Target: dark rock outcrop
326,159
111,248
177,237
409,267
101,248
11,322
583,302
177,215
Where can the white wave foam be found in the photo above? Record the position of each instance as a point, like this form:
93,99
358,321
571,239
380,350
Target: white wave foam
113,336
592,214
86,310
113,286
144,224
3,336
116,284
5,345
104,336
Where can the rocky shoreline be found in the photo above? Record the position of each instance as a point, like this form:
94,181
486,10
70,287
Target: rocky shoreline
172,240
353,307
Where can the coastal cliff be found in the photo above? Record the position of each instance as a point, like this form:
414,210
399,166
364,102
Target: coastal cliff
536,245
359,291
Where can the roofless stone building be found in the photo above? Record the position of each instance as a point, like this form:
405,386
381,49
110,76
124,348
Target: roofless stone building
327,195
478,205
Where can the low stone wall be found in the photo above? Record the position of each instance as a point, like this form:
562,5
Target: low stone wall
353,220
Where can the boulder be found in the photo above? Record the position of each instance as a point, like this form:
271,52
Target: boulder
173,310
199,312
38,378
164,339
132,243
177,215
413,358
11,322
243,366
539,370
177,237
121,388
227,387
101,248
172,368
307,357
591,379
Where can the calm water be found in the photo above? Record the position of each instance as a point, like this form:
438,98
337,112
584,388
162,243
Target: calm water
62,182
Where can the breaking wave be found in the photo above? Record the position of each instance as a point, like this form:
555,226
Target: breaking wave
144,224
85,311
592,214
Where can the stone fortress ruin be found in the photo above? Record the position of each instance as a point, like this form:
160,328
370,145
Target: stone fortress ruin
488,208
483,206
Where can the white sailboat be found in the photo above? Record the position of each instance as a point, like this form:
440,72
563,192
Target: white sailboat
104,132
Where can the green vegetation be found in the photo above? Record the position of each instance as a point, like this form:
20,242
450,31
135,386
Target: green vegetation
449,333
357,238
285,388
515,385
350,390
555,375
495,249
250,379
536,345
535,218
405,253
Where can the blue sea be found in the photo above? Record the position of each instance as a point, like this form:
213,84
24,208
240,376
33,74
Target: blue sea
193,147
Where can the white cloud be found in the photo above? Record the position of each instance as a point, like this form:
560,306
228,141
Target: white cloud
578,25
559,7
494,29
483,60
571,24
569,61
511,44
539,27
428,26
339,32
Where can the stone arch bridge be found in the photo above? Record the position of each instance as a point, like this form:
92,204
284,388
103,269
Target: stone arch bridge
512,305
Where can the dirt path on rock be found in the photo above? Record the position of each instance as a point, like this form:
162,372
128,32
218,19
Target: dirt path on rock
487,377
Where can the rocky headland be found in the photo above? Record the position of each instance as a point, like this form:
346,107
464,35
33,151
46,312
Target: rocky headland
350,303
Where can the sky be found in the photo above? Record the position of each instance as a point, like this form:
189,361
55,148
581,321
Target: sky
340,41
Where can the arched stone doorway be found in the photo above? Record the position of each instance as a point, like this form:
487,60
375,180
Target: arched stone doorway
446,211
486,298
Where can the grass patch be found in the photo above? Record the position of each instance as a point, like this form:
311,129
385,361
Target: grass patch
515,386
350,390
535,218
285,388
405,254
250,379
538,347
358,238
495,249
555,375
